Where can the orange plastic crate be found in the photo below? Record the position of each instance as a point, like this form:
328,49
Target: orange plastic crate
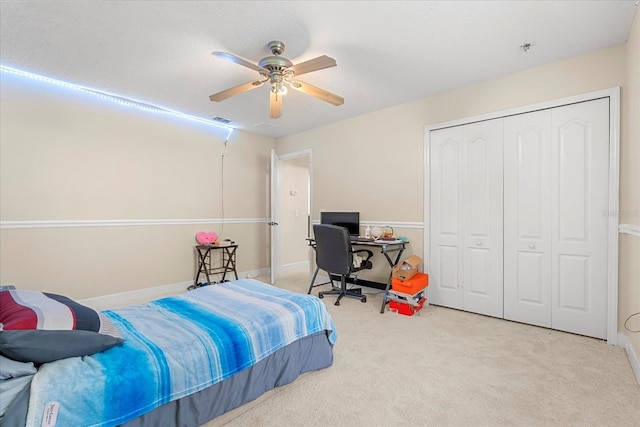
404,308
411,286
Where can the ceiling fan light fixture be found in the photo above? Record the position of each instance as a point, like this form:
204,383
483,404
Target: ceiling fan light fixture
279,89
279,72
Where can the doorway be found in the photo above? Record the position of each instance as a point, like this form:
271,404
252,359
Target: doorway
292,198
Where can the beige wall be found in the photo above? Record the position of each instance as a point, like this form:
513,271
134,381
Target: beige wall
69,156
377,160
375,163
294,211
629,271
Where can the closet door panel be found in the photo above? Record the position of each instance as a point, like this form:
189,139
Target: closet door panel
445,281
580,182
527,222
574,281
482,217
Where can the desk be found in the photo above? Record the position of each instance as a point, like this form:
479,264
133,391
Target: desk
387,248
204,262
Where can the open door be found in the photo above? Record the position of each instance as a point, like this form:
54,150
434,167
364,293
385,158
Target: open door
276,179
284,225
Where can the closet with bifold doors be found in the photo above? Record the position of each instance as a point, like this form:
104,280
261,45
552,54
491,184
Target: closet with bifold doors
466,257
517,217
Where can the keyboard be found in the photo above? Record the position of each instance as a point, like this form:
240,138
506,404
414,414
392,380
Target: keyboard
361,239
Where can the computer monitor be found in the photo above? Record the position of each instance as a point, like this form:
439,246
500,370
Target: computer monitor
349,220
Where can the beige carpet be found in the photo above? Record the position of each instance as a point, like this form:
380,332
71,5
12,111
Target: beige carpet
449,368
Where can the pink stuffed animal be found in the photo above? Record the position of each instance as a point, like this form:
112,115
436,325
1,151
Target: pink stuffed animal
205,238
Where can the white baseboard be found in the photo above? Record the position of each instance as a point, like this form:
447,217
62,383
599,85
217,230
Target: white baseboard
295,266
252,274
624,341
122,299
249,274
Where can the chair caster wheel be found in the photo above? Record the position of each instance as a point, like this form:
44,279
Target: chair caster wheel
363,299
320,296
336,303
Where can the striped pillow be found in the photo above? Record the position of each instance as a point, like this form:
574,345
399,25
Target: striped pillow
41,327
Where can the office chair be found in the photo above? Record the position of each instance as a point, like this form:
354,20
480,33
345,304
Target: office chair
334,255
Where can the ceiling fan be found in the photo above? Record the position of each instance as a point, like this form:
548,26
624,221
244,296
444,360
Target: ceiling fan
279,72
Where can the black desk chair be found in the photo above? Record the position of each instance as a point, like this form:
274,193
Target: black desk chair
334,255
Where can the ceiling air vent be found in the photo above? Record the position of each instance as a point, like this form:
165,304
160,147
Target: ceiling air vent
221,120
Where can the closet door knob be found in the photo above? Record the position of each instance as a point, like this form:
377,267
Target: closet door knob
532,246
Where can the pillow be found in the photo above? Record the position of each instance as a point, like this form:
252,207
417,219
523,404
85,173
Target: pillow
14,378
41,327
12,369
205,238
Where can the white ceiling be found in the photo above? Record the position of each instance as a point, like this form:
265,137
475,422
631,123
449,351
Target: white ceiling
388,52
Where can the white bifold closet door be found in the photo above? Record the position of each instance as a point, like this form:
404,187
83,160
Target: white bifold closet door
555,231
466,224
527,218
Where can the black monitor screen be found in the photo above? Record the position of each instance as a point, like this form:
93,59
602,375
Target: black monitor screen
349,220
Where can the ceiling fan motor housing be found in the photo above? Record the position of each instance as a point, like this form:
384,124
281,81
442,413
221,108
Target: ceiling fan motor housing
276,47
275,62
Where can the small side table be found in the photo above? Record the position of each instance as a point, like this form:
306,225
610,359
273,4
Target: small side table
228,257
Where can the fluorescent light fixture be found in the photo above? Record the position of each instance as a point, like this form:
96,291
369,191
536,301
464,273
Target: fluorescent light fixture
116,98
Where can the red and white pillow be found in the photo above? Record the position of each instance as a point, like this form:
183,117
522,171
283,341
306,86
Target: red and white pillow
41,327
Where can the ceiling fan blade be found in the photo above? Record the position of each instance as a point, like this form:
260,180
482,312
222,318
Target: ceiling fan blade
314,64
275,105
238,60
322,94
244,87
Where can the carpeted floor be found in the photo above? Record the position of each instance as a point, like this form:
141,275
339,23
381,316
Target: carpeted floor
449,368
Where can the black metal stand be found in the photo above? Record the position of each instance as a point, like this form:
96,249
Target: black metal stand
228,258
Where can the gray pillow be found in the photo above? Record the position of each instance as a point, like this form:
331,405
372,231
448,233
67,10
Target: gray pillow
41,346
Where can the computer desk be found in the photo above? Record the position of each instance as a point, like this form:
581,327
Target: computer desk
387,248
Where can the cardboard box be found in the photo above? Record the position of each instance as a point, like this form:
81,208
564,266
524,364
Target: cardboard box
411,286
406,309
407,268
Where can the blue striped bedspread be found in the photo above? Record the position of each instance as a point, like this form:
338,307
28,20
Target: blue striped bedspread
174,346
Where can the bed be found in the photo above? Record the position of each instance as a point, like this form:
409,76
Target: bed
180,360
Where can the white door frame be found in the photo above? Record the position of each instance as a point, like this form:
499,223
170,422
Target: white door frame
274,229
275,239
614,184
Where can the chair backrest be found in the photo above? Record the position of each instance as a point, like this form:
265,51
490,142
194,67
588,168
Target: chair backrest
333,248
